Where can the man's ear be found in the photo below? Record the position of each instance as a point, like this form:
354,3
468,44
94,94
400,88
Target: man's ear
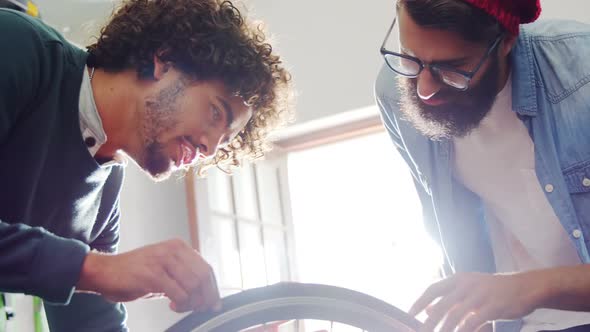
508,44
160,67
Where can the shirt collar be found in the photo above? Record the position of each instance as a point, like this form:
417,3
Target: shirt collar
91,124
524,92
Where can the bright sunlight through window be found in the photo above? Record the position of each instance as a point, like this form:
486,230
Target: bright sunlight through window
357,220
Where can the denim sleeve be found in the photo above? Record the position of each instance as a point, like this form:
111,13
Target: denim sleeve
387,99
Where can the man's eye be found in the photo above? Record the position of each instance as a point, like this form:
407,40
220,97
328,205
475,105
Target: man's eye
216,113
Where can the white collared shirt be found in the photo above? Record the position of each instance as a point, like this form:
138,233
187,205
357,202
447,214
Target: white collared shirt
90,122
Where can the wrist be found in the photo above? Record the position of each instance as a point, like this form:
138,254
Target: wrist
552,287
88,273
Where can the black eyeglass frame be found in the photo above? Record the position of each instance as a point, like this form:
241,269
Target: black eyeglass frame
435,68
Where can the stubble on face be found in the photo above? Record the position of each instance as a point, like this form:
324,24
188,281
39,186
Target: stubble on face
160,117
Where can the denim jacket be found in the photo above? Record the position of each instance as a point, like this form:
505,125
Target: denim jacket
551,95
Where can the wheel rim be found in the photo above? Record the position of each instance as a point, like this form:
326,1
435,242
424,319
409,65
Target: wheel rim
294,302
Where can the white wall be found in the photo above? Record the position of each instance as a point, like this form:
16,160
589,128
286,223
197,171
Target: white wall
566,9
151,212
332,47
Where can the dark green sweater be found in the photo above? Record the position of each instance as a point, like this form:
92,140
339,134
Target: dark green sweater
55,201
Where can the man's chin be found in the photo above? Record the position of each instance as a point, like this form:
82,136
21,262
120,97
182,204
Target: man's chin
155,162
161,171
427,121
448,126
159,176
451,120
157,170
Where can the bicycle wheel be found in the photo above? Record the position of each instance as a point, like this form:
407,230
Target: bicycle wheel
296,301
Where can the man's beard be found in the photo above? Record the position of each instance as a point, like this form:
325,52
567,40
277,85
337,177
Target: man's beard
156,163
460,115
161,113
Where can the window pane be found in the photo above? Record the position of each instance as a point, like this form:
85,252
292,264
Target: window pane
377,215
226,263
254,269
268,190
245,192
275,249
219,190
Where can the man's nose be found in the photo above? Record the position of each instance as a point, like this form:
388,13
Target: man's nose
213,141
428,85
206,141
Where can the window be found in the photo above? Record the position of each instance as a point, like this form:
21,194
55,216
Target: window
357,220
338,203
243,230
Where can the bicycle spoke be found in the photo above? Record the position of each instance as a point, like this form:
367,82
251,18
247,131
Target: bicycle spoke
298,325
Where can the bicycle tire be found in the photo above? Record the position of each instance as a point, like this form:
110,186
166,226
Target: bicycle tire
291,301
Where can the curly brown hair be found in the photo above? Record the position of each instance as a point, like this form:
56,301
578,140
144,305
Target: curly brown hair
206,40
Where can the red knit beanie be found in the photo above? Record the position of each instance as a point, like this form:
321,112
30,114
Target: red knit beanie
510,13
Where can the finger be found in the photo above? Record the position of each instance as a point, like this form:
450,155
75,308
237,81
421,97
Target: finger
487,327
208,291
436,312
477,319
471,305
189,282
187,267
211,293
197,277
173,291
153,296
456,315
433,292
191,260
206,295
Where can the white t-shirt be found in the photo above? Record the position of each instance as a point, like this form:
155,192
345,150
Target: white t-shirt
496,161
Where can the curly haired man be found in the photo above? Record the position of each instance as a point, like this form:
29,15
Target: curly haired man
170,84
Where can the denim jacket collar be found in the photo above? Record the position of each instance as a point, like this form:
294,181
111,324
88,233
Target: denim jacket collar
524,92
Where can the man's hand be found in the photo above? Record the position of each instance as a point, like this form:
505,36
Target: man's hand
170,268
469,301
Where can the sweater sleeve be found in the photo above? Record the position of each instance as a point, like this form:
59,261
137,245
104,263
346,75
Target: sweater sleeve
87,312
387,99
108,240
32,260
19,74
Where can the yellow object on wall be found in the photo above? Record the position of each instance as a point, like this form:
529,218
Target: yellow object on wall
32,9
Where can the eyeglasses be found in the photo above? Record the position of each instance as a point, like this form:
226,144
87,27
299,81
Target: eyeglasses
410,66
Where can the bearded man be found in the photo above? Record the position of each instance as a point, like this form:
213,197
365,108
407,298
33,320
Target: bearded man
491,115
